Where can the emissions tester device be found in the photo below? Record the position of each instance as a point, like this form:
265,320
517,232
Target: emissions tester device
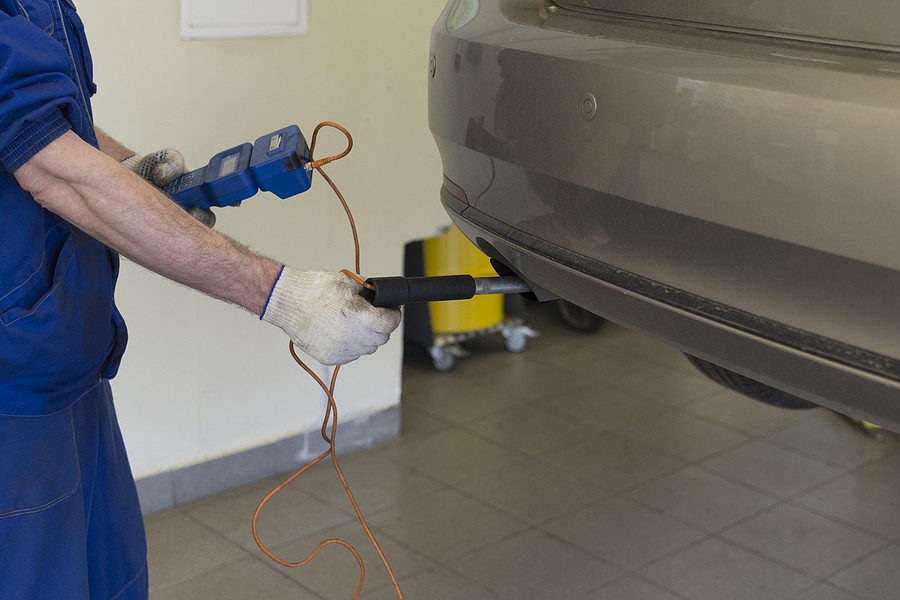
276,162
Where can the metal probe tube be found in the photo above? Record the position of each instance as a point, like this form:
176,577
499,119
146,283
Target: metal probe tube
500,285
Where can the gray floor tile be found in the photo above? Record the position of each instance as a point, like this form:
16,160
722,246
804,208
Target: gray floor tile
445,524
829,437
291,514
418,370
246,578
800,539
180,547
825,592
519,376
546,438
417,423
630,588
716,570
334,572
666,385
867,497
772,469
705,500
587,357
747,415
601,407
876,577
682,435
531,429
377,482
644,346
612,462
534,566
623,532
532,490
459,400
435,584
451,456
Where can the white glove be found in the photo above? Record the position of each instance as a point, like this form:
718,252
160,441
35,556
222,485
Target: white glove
160,169
325,316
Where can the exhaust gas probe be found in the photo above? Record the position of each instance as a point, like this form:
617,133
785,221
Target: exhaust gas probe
394,291
281,162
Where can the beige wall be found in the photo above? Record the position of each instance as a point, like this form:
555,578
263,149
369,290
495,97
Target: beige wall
202,379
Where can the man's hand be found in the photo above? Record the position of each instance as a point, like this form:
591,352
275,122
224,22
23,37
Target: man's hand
325,316
159,168
162,168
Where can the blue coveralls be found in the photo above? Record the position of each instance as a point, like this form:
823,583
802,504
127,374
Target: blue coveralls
70,523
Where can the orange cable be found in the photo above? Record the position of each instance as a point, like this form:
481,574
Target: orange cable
331,413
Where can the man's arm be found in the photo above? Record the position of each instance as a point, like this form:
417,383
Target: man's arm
94,192
159,168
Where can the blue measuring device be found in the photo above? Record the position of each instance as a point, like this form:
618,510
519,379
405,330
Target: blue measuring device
276,162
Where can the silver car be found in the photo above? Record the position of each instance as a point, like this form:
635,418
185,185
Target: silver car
724,176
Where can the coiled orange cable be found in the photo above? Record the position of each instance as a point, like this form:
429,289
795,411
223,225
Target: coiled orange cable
330,422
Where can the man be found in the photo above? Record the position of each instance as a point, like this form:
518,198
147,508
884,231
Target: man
70,524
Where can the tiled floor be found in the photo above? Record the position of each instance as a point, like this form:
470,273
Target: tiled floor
588,467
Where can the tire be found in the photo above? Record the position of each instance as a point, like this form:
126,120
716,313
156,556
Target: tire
578,318
750,387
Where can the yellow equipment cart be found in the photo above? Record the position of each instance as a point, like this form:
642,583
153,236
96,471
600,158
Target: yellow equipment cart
441,327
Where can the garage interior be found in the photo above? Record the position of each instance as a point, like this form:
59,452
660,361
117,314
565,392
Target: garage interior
595,466
590,466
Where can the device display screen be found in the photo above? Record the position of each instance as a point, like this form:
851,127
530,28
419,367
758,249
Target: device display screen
275,142
229,164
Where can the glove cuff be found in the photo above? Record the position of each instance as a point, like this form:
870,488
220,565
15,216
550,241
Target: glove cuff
132,162
294,296
265,309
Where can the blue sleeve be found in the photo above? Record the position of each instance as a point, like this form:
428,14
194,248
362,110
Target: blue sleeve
36,90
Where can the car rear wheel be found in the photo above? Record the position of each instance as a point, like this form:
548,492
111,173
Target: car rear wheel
578,318
750,387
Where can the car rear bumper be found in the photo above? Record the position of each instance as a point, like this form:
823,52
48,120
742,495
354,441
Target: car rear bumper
846,379
733,197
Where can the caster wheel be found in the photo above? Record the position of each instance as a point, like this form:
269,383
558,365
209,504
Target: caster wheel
516,340
443,358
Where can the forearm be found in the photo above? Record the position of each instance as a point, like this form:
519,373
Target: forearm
106,200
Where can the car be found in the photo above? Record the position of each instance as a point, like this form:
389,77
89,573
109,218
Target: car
724,177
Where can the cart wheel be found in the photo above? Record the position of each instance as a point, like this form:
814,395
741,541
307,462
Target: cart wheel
516,339
444,359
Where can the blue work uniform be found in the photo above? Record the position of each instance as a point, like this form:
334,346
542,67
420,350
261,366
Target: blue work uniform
70,523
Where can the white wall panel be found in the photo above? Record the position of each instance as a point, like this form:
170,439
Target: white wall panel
201,379
211,19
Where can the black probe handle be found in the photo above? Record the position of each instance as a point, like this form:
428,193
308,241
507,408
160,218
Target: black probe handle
394,291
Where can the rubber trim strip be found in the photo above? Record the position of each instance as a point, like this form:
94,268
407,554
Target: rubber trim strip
810,343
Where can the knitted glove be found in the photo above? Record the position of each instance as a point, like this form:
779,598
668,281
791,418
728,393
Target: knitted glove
325,316
160,169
